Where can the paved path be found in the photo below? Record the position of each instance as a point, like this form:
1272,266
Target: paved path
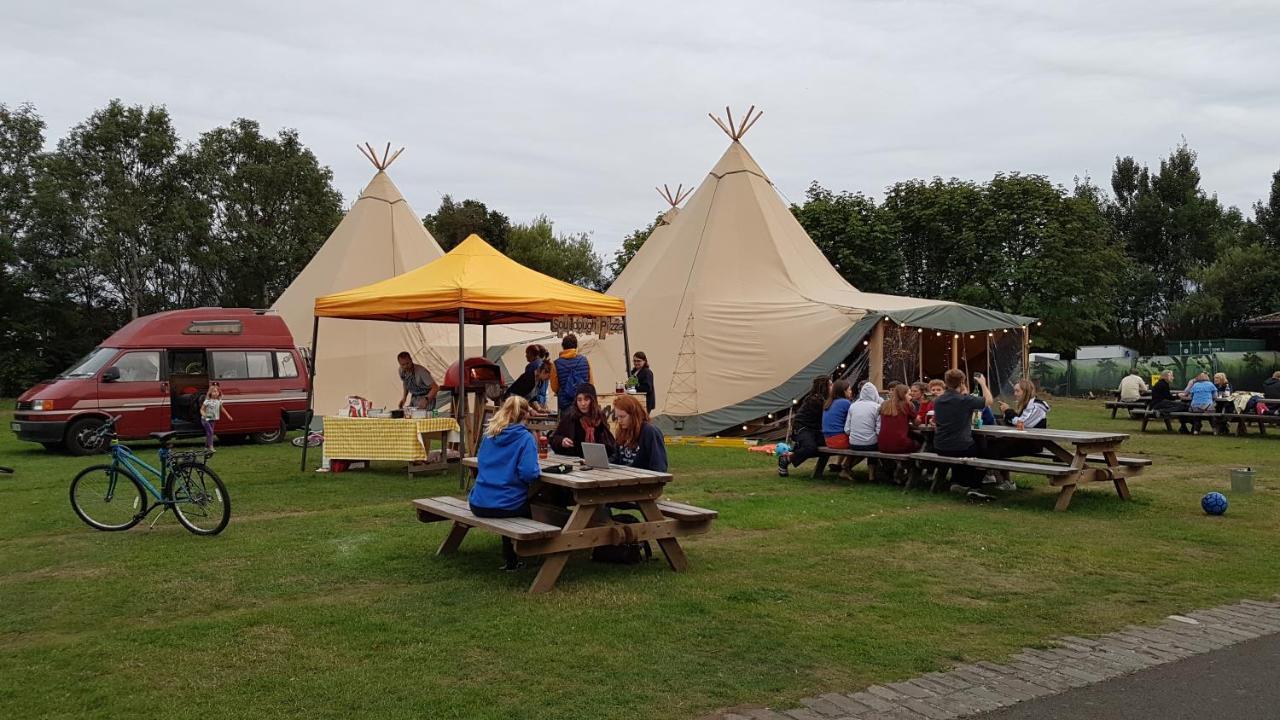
1223,662
1239,682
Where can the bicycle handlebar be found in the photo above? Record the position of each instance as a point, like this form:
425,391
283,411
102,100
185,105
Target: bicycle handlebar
108,427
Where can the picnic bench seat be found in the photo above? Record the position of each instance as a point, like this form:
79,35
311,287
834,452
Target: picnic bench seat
1100,458
686,513
1013,466
451,508
825,453
1116,405
1220,422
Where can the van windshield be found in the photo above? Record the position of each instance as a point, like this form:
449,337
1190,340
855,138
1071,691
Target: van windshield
90,364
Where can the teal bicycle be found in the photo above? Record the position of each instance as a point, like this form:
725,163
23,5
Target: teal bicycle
118,496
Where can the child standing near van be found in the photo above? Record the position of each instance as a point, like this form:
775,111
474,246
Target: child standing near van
211,411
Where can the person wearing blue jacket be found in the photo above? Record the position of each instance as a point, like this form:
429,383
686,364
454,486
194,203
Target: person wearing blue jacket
508,467
568,372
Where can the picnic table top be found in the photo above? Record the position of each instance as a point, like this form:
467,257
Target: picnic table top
1074,437
583,478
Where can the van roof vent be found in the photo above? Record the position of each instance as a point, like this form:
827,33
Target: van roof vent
214,327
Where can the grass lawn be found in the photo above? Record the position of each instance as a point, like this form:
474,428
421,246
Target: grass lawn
323,599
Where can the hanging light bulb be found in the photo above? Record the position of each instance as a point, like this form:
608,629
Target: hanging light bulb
939,333
1038,323
919,330
971,336
866,342
957,336
770,416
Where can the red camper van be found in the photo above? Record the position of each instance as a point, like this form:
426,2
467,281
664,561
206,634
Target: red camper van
154,371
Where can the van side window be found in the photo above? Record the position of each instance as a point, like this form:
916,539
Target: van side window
285,366
240,365
142,366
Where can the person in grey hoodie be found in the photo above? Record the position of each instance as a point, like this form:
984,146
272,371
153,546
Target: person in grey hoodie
863,422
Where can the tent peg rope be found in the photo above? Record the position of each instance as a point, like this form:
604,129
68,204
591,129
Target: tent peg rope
734,130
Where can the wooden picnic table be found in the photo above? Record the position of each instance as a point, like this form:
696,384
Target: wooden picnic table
589,522
1073,448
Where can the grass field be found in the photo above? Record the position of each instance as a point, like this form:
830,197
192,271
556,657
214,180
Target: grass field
323,598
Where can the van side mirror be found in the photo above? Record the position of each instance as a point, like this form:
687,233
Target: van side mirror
111,374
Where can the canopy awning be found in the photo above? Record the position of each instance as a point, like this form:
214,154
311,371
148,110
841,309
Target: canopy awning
492,289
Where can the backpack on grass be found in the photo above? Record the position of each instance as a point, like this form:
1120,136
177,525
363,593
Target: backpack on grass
626,551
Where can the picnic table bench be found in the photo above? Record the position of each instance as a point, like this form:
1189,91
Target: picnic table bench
1072,453
1130,405
588,523
1220,421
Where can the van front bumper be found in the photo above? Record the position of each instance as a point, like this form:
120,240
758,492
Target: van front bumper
41,431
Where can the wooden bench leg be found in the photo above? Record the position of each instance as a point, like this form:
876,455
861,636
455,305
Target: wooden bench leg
553,564
453,539
820,466
1064,497
1122,488
1113,412
1145,419
1262,428
670,546
935,483
1168,423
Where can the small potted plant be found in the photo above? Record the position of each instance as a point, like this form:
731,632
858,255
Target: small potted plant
632,384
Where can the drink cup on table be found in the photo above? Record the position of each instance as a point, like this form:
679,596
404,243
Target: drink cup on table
1021,425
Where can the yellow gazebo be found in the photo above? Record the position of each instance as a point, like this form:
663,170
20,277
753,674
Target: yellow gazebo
472,283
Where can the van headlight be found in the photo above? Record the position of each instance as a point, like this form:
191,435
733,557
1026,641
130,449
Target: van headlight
40,405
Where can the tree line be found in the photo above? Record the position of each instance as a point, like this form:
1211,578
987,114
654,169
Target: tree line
123,218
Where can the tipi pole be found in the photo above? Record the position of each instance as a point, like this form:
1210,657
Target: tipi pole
311,389
460,398
626,347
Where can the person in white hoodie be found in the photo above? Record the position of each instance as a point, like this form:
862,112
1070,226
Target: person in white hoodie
863,423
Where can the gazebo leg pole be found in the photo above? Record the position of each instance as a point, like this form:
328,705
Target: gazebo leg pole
311,389
484,340
460,398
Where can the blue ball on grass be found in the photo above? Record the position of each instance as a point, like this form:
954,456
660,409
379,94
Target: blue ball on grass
1214,503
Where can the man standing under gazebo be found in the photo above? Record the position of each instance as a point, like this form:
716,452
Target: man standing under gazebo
420,389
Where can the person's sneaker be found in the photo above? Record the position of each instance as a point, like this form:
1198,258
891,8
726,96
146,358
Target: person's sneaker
959,489
512,567
846,476
1184,431
783,461
990,478
1007,486
975,496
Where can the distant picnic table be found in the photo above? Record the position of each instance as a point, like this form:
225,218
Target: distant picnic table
556,531
1077,457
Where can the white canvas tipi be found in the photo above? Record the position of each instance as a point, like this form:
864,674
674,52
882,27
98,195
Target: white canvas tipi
380,237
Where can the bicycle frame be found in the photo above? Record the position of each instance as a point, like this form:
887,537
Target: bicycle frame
121,455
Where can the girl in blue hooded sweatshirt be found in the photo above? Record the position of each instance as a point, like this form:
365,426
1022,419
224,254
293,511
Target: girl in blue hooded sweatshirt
508,466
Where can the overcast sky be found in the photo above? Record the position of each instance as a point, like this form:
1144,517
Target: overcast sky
577,109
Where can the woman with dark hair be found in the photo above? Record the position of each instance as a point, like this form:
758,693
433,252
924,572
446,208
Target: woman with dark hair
834,414
640,444
806,435
644,379
584,422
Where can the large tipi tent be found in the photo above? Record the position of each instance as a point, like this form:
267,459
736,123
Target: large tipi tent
380,237
738,309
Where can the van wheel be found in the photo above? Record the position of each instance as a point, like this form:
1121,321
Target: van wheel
80,438
268,438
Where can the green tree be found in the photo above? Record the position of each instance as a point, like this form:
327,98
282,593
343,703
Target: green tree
936,225
853,234
1267,215
21,141
631,245
570,258
270,204
1242,283
127,201
453,221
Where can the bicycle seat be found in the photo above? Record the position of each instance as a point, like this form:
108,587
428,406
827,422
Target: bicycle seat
170,435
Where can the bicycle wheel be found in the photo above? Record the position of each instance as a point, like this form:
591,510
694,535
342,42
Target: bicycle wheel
107,498
200,500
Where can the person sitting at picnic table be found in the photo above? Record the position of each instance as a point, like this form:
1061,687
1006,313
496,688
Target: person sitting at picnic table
569,371
1132,387
1271,387
933,391
806,437
953,414
1028,409
526,386
897,417
862,424
507,465
1203,394
420,389
1163,401
916,396
640,443
834,413
1220,382
584,421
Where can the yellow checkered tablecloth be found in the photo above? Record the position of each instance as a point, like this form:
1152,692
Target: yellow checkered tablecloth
351,438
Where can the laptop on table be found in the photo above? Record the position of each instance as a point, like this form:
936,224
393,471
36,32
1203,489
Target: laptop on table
595,456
